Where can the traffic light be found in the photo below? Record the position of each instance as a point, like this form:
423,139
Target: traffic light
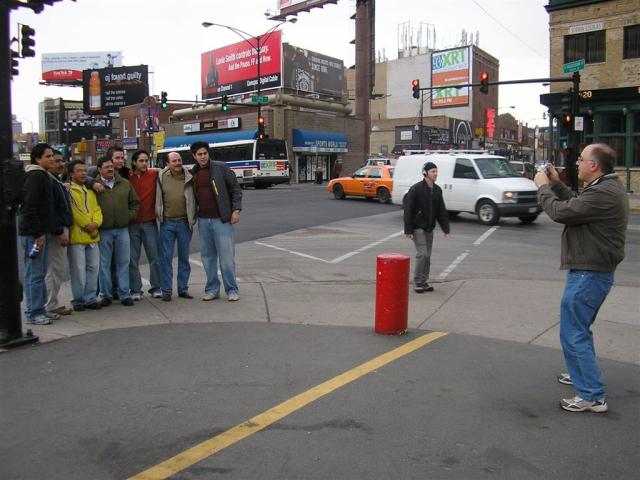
164,103
415,84
27,41
14,63
225,105
261,134
566,101
484,82
567,120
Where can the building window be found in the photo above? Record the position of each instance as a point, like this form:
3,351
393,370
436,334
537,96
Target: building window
125,128
631,42
588,46
137,127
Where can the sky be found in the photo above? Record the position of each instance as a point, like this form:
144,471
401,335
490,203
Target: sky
167,35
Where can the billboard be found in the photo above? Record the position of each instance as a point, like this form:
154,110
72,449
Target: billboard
312,72
450,67
68,67
293,7
233,69
105,90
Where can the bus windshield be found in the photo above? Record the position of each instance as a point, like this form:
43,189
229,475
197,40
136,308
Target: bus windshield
271,150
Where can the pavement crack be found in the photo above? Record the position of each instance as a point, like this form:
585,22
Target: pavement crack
266,302
543,332
161,312
442,304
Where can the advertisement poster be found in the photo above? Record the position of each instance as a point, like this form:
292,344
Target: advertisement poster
292,7
68,67
233,69
106,90
450,67
307,71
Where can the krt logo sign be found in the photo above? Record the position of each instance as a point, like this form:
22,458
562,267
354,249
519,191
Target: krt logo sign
452,58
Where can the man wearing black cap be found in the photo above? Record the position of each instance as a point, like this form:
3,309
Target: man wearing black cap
423,206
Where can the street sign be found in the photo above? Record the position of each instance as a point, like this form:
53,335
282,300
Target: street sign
578,124
573,66
257,99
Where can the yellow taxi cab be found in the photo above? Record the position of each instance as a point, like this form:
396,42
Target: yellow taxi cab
372,181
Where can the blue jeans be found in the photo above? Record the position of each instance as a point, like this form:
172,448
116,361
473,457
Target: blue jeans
584,293
84,265
144,234
170,233
114,242
216,242
35,270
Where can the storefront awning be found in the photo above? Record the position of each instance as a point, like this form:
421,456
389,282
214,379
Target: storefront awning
314,141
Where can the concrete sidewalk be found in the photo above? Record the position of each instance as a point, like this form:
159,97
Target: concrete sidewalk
278,286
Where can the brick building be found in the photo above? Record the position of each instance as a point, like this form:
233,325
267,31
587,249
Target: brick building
606,35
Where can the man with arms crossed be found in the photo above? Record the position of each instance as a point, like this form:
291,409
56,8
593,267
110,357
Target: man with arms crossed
144,229
176,210
595,224
58,265
219,200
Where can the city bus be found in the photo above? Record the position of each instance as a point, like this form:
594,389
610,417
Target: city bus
257,163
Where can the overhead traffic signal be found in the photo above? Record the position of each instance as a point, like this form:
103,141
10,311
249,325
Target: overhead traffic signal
415,84
14,63
164,103
225,105
484,82
261,133
567,120
27,41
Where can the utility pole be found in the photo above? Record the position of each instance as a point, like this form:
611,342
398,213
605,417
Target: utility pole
10,292
421,118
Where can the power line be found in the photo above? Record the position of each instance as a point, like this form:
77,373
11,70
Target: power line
509,31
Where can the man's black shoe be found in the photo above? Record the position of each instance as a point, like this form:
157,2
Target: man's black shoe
427,287
127,302
79,308
105,302
166,297
92,306
185,295
418,289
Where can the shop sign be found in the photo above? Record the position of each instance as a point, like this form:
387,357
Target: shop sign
587,27
130,143
104,145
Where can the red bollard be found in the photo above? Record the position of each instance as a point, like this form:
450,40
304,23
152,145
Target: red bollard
392,293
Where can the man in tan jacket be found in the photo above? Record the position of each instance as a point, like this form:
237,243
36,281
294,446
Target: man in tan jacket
176,211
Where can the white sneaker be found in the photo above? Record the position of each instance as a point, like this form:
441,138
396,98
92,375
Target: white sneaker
578,404
40,319
210,296
157,294
136,297
52,315
233,297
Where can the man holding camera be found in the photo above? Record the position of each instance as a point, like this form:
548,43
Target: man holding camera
593,239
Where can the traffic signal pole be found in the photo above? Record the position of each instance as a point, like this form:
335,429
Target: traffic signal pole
10,291
572,136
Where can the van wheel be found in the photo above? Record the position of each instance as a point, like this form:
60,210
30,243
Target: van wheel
488,212
383,195
528,219
338,192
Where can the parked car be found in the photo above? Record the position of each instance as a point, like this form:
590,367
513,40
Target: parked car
473,182
369,182
380,161
525,169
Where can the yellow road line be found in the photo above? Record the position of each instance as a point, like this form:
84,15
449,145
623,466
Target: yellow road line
209,447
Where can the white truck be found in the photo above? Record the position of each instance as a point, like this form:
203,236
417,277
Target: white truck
472,181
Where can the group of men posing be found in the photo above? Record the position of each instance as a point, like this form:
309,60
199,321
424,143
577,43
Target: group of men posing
95,222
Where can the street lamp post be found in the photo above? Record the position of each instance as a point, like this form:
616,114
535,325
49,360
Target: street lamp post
257,46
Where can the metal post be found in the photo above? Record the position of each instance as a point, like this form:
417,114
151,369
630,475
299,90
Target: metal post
10,318
421,117
258,49
484,129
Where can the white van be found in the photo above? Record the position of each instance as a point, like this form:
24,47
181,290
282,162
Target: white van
472,181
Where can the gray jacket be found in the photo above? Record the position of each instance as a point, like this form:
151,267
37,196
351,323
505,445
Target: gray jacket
225,187
188,195
595,222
